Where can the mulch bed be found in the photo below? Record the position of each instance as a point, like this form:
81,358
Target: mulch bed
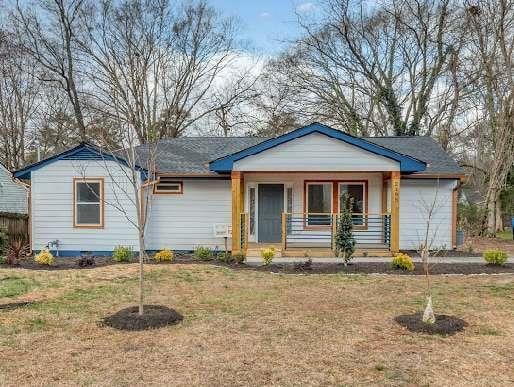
444,325
385,268
154,316
290,268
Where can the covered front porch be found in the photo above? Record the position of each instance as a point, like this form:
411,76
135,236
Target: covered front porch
297,212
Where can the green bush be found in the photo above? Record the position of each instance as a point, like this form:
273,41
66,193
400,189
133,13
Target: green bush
238,258
203,253
495,257
402,262
122,253
229,258
2,259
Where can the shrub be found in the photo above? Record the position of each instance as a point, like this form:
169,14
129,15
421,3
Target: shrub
402,262
16,250
238,258
165,255
122,253
344,240
86,261
44,257
495,257
2,259
267,255
203,253
224,257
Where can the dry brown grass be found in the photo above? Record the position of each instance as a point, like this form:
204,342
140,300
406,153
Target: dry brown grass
254,328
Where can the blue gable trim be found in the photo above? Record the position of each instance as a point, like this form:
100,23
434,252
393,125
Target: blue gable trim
408,164
83,151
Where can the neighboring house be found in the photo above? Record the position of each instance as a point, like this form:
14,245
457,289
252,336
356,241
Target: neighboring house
13,194
283,191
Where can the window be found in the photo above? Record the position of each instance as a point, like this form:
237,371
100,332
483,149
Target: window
167,185
319,203
356,191
88,202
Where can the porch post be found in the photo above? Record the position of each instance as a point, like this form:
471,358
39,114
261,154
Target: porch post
395,211
237,209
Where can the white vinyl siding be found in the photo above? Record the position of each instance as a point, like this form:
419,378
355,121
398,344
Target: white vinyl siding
52,207
316,152
182,222
13,195
416,195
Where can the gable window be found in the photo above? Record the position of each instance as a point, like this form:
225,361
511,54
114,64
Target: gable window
88,197
168,185
357,192
319,204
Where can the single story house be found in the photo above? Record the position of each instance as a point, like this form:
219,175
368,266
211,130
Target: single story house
13,194
282,191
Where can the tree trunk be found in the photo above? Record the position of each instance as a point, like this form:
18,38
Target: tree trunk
142,254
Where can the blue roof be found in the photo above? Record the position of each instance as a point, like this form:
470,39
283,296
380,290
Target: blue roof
408,164
83,151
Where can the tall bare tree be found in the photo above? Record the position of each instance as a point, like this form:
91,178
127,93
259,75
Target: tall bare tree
18,100
48,29
492,39
154,64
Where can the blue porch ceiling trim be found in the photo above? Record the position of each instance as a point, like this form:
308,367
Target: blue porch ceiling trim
408,164
83,151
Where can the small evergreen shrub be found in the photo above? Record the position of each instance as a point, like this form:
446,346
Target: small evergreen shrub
2,259
402,262
203,253
224,257
344,240
495,257
122,254
267,255
165,255
44,257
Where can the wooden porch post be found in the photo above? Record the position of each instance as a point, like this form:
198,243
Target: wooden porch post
237,209
395,211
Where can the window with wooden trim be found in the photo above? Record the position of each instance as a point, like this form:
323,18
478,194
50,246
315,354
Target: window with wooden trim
357,192
168,185
88,199
319,204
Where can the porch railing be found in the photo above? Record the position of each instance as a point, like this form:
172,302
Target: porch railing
319,230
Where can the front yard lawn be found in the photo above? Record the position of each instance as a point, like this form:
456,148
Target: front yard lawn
246,327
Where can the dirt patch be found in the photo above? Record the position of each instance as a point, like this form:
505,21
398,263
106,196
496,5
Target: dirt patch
154,316
481,244
444,325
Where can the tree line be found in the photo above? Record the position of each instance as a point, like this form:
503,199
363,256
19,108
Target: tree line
82,70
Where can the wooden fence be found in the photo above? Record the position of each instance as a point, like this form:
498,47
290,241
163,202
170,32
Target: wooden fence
16,225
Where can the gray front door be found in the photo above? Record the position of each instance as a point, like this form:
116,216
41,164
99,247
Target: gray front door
271,206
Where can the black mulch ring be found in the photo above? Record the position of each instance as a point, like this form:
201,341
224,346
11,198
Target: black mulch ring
15,305
154,316
444,325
